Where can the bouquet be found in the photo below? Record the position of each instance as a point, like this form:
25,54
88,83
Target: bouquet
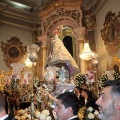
79,79
26,114
87,113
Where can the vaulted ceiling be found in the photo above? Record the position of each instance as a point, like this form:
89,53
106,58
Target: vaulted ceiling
24,12
37,5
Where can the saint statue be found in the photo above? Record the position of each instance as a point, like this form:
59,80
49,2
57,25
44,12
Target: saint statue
60,55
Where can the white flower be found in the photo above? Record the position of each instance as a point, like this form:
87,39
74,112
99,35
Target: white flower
28,116
17,117
90,109
26,109
37,114
91,116
42,117
21,111
96,112
23,117
48,118
54,114
45,112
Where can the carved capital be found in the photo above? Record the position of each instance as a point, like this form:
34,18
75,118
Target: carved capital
80,32
43,40
81,41
43,47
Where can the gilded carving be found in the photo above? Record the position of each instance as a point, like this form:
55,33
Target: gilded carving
74,14
111,33
116,60
89,22
13,50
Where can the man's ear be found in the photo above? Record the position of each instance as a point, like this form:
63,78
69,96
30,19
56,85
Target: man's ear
118,104
70,109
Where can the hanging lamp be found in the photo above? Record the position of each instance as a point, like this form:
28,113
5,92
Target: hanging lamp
87,54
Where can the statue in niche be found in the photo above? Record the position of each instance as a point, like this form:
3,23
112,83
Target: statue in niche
60,55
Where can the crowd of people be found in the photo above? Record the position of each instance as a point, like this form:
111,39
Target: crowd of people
108,102
68,103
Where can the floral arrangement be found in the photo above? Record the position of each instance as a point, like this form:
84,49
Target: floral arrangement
87,113
79,79
26,115
104,78
116,75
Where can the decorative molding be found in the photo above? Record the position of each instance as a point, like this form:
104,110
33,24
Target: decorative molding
74,14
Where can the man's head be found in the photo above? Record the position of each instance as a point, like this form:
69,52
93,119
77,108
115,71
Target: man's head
77,90
67,106
2,102
84,86
109,101
84,93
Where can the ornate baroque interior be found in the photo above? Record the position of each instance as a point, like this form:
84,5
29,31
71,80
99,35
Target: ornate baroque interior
33,31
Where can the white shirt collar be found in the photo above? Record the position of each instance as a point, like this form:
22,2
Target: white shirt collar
73,117
85,101
2,118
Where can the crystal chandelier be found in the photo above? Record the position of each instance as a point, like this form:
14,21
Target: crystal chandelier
87,54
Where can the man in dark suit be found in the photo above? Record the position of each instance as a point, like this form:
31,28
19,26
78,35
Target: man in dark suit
67,106
89,100
3,114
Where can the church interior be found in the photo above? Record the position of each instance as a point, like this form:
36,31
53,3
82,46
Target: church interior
51,46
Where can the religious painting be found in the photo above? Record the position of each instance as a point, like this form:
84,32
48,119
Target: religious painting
111,33
13,51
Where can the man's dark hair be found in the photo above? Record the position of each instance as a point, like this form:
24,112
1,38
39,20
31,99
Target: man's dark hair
69,99
115,84
2,101
79,88
85,90
85,85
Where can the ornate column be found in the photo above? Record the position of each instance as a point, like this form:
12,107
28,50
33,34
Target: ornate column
80,33
42,57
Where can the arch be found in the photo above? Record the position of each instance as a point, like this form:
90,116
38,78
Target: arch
67,41
66,21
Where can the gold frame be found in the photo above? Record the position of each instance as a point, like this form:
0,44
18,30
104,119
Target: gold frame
13,51
111,33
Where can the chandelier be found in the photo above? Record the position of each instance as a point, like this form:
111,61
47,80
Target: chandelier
87,54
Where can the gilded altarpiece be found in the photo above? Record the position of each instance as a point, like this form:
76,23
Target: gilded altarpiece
67,14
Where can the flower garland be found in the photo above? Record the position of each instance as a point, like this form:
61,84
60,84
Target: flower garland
104,78
79,79
116,75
